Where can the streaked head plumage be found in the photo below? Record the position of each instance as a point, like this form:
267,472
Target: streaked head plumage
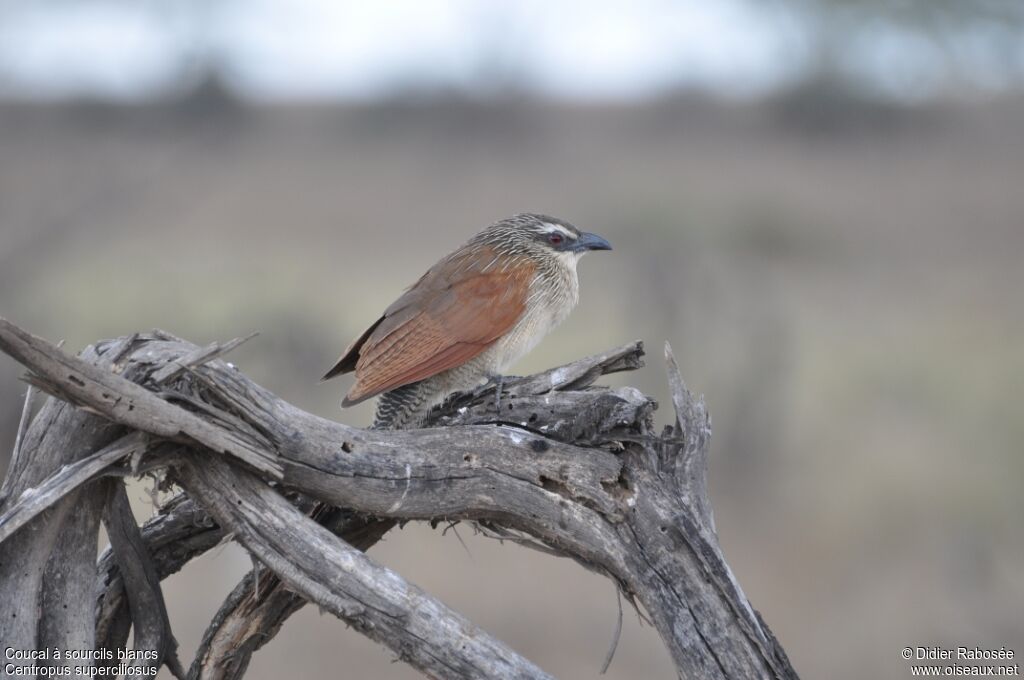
540,233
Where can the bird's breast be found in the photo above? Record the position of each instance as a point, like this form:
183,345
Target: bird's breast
552,297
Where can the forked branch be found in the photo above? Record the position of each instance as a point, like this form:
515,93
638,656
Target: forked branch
575,467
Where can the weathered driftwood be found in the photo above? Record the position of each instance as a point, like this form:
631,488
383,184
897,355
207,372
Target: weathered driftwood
148,611
261,603
564,464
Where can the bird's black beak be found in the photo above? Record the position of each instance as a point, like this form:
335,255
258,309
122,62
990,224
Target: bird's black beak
588,241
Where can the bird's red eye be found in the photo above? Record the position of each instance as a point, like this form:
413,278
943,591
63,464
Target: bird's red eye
555,239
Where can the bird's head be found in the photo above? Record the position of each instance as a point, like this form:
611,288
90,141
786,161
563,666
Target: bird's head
540,236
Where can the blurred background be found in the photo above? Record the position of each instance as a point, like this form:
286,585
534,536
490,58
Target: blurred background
818,202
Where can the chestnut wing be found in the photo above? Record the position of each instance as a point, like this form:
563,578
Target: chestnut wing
456,311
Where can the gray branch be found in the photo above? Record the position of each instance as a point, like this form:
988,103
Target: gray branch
567,465
145,597
259,605
179,533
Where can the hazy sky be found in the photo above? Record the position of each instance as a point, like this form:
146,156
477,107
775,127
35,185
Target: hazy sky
269,49
351,48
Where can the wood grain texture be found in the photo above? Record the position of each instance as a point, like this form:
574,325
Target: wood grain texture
572,466
256,608
85,384
142,585
373,599
180,532
47,560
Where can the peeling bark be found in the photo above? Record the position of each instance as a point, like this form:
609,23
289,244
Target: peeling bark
565,464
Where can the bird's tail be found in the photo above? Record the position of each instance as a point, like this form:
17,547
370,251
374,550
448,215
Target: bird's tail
403,407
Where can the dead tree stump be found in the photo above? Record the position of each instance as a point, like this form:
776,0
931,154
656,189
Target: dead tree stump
570,467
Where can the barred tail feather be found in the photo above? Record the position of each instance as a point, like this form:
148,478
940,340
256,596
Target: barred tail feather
404,406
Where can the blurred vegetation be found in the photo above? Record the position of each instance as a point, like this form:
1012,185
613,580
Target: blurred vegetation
888,47
848,299
857,51
837,265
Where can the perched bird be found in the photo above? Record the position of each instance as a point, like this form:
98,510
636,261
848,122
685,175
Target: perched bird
468,318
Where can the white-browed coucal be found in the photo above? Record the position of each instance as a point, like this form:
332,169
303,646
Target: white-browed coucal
468,318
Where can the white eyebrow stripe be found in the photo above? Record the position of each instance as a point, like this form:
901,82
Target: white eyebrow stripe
551,228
